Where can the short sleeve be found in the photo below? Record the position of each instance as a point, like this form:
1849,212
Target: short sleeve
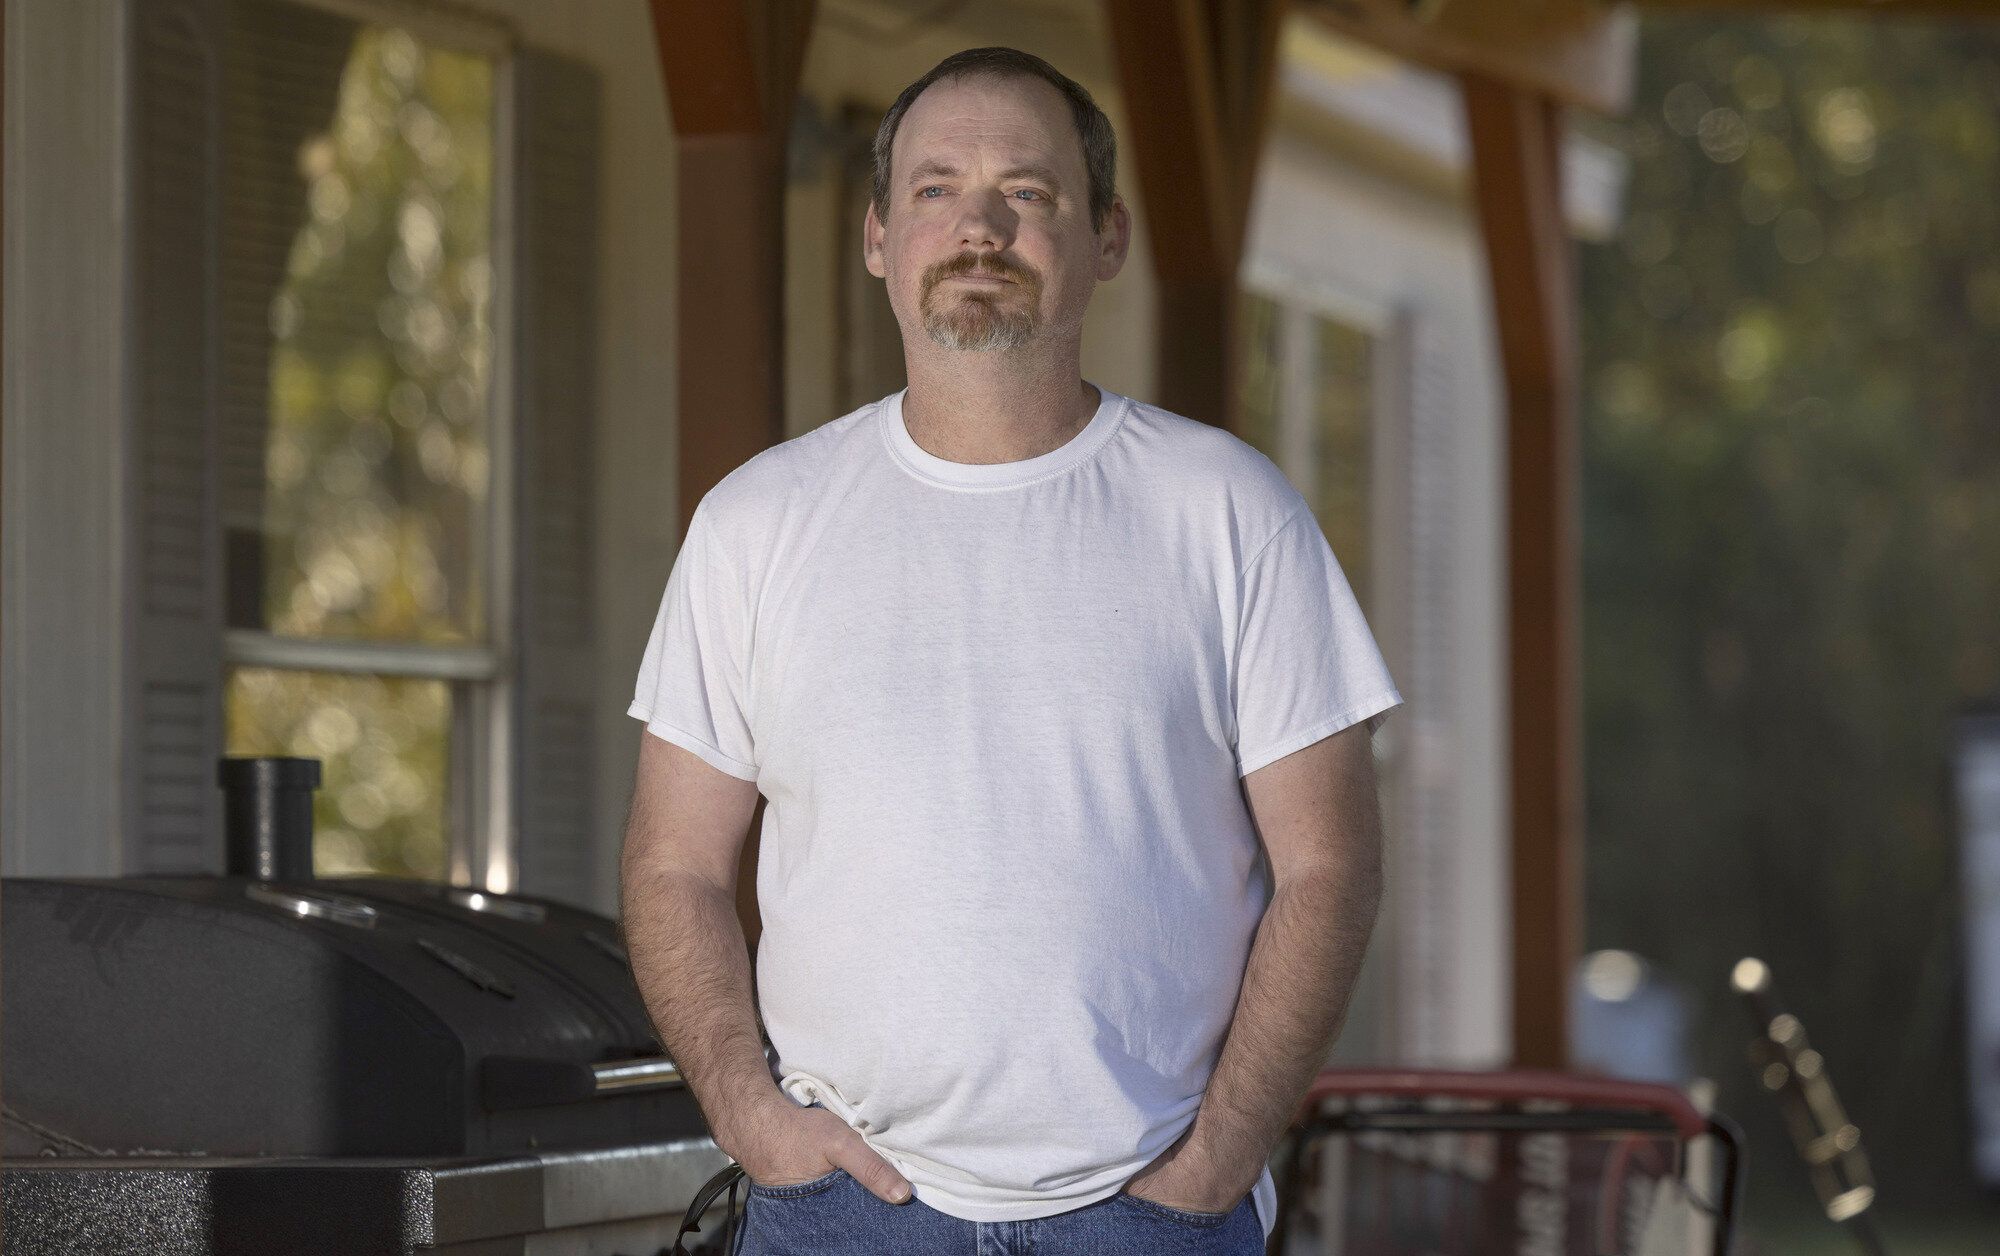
692,687
1306,664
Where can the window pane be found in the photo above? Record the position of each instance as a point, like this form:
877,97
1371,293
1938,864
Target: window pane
383,743
1342,423
1262,384
357,276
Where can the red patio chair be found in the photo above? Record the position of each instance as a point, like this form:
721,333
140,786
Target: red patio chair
1434,1162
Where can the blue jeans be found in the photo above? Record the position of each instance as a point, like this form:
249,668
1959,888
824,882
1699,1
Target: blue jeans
835,1215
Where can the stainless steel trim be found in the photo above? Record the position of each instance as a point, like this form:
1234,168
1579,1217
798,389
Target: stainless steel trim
498,905
250,647
643,1073
491,836
339,910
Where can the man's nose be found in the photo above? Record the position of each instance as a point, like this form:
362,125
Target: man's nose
987,221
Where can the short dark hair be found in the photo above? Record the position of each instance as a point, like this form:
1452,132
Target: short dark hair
1093,129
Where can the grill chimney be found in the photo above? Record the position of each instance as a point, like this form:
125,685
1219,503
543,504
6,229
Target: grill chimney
267,806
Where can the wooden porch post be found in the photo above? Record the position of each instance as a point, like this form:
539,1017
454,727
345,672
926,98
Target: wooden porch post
731,69
1516,145
1197,77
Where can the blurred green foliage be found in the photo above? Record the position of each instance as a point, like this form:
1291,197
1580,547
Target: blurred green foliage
1792,551
381,350
377,458
383,744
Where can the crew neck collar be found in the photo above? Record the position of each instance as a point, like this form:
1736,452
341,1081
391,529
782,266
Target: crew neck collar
928,466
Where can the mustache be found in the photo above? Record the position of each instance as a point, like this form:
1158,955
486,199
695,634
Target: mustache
979,264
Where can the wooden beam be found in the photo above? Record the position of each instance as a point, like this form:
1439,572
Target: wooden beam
1197,77
731,71
1582,52
1516,145
729,372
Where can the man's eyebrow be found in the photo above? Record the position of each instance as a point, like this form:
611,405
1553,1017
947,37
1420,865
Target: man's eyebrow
942,170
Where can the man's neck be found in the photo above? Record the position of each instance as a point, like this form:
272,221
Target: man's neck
990,409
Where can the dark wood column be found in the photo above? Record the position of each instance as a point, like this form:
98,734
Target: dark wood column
1197,78
1516,143
731,69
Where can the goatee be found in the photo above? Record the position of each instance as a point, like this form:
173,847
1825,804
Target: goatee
979,317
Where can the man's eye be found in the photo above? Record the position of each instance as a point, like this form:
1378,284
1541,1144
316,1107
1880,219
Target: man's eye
932,188
1031,192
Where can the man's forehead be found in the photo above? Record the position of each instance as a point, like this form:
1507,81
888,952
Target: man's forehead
1023,118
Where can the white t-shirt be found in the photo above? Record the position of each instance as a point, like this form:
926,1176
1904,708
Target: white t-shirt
1008,877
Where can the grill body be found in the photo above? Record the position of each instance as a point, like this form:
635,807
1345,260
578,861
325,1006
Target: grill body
228,1016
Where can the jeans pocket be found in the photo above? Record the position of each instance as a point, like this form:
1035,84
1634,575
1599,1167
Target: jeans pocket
791,1190
1171,1213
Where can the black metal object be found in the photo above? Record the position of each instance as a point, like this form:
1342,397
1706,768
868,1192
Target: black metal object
366,1017
270,1062
728,1179
267,816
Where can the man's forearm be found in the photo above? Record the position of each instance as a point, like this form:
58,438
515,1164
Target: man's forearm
692,966
1296,986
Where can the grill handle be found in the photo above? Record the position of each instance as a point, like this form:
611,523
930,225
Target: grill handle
507,1082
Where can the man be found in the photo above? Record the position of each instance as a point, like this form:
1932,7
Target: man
1024,669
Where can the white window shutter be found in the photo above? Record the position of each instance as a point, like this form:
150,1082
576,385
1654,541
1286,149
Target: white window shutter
556,218
173,686
281,87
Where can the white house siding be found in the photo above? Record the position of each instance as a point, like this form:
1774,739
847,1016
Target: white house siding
1439,957
62,625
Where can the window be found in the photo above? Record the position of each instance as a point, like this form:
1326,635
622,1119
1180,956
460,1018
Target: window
358,430
363,351
1318,395
1309,400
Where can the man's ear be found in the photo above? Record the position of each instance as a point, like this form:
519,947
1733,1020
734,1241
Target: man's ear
872,232
1114,240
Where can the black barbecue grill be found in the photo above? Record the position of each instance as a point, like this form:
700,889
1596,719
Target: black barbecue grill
273,1063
